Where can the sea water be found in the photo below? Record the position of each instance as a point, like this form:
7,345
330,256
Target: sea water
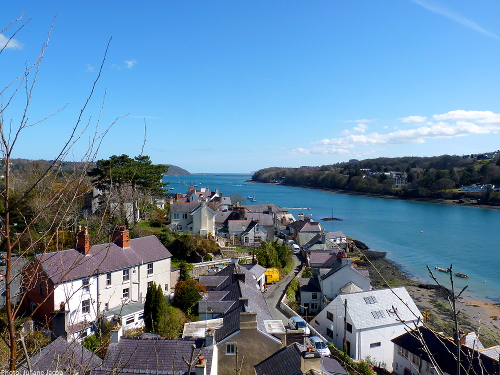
414,234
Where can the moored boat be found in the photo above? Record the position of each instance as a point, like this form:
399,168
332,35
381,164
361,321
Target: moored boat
461,275
440,269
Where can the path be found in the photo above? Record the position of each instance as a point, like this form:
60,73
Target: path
275,292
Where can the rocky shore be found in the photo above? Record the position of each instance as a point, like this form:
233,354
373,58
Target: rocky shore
474,316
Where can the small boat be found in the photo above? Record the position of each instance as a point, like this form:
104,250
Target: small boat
445,270
458,274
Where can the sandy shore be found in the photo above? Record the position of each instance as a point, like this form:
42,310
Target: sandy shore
474,316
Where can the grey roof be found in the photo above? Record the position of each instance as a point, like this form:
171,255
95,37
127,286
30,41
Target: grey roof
350,288
212,281
337,234
124,310
256,269
221,216
365,314
263,219
264,208
60,355
184,207
287,361
215,307
238,225
71,264
215,295
309,285
443,351
153,355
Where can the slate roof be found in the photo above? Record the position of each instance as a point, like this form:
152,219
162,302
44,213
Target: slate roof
263,219
184,207
311,227
365,313
71,264
215,295
221,216
255,269
287,361
153,355
215,307
212,282
238,225
442,350
60,355
263,208
248,290
309,285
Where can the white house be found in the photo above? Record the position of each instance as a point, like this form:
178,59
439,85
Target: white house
370,321
193,217
90,280
341,274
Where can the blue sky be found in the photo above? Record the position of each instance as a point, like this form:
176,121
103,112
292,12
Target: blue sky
236,86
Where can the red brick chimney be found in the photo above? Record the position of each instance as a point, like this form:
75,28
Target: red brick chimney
121,236
82,240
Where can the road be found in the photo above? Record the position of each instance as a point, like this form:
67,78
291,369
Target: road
275,292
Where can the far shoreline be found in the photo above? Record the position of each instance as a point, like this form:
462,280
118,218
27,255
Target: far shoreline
449,202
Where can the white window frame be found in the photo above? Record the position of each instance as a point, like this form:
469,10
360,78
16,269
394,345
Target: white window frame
231,348
150,268
108,279
126,275
86,306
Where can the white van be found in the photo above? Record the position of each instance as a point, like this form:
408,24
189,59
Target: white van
296,248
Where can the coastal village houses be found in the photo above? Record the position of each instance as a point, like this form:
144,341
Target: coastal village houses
369,320
88,281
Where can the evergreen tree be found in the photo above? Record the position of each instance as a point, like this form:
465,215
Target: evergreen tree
155,308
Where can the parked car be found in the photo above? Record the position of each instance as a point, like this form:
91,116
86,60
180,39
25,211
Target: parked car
319,345
296,249
296,322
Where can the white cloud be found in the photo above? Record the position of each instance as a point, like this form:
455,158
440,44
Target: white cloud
450,125
90,68
361,128
12,43
364,120
483,117
454,16
412,119
130,63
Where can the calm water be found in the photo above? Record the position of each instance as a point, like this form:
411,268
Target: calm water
413,234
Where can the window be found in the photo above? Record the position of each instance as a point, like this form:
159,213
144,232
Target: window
150,283
314,296
141,316
85,284
329,333
86,306
230,348
378,314
106,306
176,216
184,216
166,287
150,268
125,293
370,300
108,278
129,320
375,345
126,275
349,327
314,306
329,315
41,289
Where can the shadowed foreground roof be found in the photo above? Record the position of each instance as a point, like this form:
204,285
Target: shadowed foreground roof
152,355
71,264
442,350
60,355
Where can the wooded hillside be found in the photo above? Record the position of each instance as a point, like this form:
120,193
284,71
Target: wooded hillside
407,177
